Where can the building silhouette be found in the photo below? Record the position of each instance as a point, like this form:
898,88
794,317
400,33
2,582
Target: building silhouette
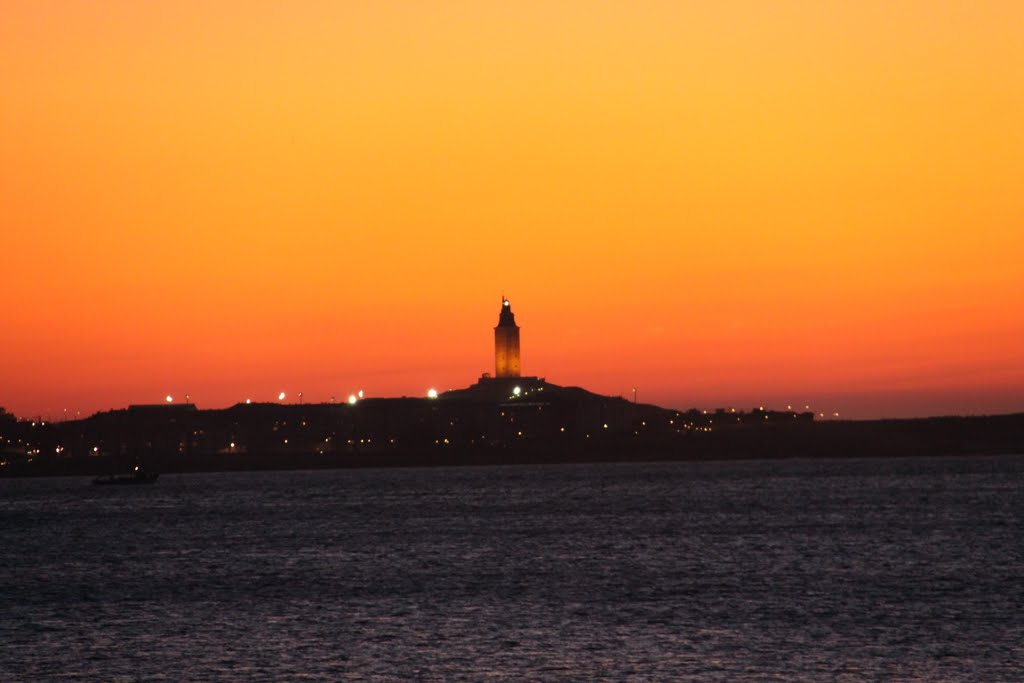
506,343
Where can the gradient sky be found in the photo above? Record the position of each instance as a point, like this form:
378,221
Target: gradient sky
727,203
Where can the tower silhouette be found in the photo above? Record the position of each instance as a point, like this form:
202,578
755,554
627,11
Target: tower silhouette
506,343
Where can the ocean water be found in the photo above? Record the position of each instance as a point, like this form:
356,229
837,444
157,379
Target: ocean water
831,570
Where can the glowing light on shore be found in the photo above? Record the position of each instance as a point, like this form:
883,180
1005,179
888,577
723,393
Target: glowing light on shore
431,393
352,399
169,398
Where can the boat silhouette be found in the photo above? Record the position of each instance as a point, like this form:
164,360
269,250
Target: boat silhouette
138,476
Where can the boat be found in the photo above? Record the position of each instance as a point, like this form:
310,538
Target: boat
138,476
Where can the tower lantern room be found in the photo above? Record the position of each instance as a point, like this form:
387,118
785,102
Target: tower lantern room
506,343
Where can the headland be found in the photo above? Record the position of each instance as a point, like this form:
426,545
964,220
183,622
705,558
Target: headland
485,424
504,418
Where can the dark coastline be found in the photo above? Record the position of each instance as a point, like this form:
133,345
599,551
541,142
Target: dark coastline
942,436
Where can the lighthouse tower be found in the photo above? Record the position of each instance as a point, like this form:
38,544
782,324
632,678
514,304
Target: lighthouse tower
506,343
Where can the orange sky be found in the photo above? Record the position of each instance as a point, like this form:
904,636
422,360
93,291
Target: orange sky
720,203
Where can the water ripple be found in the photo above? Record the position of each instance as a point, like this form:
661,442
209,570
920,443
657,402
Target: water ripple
842,570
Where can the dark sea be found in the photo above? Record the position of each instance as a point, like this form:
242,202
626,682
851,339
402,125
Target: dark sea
799,570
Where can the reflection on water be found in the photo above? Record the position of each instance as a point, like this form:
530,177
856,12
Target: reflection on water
800,570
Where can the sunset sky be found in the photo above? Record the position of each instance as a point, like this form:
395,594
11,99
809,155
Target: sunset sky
722,203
